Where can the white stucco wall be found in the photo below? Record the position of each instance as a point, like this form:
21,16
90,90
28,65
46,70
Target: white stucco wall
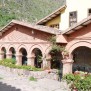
81,6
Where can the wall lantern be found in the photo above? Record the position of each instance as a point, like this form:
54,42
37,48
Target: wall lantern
32,32
16,28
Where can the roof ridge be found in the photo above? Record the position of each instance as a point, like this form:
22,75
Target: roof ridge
31,25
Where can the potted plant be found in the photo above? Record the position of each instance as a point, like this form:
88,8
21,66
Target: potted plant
65,53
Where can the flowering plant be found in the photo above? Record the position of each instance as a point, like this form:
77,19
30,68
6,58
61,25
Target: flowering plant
79,81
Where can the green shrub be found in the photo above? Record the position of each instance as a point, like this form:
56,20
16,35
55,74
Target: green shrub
32,78
69,78
11,63
82,83
1,78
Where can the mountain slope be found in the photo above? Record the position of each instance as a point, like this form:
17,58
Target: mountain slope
26,10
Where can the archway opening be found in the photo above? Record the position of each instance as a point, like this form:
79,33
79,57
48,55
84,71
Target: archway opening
38,58
23,52
12,52
3,50
56,58
82,59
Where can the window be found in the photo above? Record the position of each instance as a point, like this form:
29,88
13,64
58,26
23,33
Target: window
55,26
89,12
72,18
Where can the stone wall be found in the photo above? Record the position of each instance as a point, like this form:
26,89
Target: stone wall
50,74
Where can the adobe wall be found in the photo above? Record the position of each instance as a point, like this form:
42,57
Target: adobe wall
81,37
74,5
22,37
19,36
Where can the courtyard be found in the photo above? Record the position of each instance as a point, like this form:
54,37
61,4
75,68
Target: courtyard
12,82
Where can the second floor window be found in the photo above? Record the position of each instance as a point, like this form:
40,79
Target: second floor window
55,26
72,18
89,12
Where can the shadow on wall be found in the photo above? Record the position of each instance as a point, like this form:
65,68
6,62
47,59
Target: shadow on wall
5,87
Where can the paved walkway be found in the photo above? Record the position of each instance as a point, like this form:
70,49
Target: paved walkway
12,82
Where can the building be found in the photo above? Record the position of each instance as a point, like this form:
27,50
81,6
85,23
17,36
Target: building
71,24
24,42
68,14
74,23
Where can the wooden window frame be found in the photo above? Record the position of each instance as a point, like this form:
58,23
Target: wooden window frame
88,14
73,17
55,26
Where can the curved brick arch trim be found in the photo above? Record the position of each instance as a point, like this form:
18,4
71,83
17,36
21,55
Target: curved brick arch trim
72,47
33,47
47,50
47,55
21,46
3,45
11,46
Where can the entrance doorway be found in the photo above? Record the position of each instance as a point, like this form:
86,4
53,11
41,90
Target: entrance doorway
12,51
38,58
56,60
24,56
4,52
82,59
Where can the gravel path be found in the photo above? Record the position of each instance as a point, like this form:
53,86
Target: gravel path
19,83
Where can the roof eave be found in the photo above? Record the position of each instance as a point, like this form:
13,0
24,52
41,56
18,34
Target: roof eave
13,22
77,26
52,15
7,26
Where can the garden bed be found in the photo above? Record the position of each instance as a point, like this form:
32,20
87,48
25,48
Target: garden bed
27,71
79,81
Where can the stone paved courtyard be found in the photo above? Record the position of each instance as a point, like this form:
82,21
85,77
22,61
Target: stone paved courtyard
21,83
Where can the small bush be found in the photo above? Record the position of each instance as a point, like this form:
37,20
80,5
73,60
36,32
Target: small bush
13,61
1,78
32,78
69,78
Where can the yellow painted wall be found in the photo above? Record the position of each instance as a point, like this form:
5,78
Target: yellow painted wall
56,20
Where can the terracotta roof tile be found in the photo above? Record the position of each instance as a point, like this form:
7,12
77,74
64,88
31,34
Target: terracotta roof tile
31,25
52,15
78,25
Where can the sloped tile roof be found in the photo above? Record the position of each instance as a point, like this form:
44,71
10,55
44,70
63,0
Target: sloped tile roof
78,25
32,26
52,15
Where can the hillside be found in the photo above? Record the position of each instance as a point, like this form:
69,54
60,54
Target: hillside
26,10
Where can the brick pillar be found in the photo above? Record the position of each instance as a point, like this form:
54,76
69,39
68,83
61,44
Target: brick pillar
18,59
49,64
67,66
1,56
46,62
30,60
8,55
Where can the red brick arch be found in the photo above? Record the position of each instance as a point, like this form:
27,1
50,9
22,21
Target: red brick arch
22,46
11,45
72,47
2,47
35,46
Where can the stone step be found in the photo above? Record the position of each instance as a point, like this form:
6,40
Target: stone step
6,87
